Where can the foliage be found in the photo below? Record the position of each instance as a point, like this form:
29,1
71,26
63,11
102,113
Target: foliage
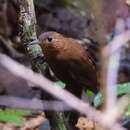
60,83
13,116
122,89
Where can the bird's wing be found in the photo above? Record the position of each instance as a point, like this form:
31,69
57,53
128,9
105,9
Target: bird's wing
83,72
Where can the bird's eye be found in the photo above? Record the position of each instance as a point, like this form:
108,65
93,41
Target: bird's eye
49,39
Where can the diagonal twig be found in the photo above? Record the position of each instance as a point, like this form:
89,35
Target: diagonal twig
55,90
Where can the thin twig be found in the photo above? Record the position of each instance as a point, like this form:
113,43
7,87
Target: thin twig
113,47
55,90
116,43
33,104
112,69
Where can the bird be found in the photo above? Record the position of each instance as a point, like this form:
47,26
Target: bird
70,62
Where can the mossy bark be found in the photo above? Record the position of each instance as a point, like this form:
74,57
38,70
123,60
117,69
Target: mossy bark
28,34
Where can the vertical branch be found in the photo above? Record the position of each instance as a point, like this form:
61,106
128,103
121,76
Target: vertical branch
28,34
112,70
100,36
111,81
97,11
109,63
29,39
27,20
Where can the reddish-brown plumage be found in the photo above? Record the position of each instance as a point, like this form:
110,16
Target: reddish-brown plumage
69,61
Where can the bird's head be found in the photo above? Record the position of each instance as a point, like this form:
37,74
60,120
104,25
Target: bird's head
49,39
52,42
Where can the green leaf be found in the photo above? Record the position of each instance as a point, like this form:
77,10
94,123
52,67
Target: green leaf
128,111
13,116
90,93
98,100
61,84
18,112
122,89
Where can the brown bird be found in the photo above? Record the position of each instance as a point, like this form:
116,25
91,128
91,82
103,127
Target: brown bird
70,62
